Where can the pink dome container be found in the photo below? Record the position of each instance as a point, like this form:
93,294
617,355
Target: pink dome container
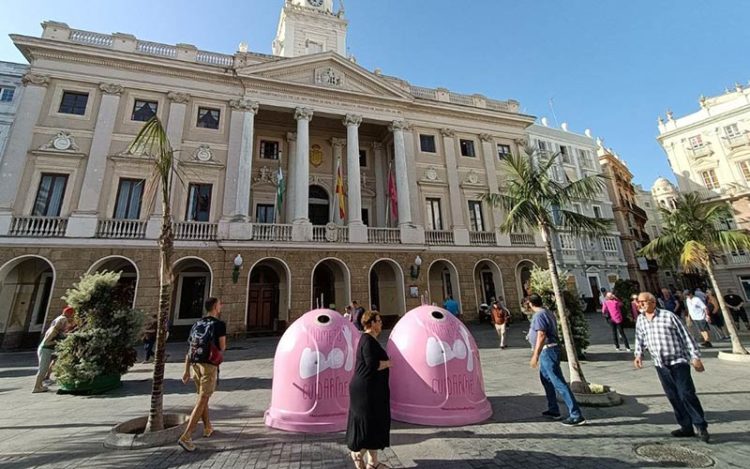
436,377
313,365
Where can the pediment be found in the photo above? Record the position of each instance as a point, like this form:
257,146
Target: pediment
326,70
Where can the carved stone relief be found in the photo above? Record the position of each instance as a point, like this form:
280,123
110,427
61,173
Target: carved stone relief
62,142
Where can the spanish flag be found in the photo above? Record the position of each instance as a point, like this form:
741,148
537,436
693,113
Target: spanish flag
340,194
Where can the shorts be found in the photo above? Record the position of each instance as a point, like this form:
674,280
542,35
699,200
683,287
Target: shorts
701,324
205,376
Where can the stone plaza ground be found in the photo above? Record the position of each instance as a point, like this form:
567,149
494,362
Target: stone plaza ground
50,430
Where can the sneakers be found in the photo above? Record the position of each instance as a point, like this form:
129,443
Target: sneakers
683,433
703,435
186,444
573,422
551,415
628,349
706,344
617,349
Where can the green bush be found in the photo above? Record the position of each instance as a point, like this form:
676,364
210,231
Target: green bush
541,284
107,329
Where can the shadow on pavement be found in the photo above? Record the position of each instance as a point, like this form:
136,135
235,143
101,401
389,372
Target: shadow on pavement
534,459
175,386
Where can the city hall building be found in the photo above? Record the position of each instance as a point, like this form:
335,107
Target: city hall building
382,180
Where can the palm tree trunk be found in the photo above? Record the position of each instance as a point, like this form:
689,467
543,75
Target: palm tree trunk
577,381
728,321
166,242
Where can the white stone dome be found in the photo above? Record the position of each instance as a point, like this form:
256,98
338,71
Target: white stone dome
663,186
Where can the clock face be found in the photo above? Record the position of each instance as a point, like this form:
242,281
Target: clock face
315,3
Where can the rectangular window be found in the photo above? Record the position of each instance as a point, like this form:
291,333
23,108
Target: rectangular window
50,195
264,213
143,110
269,150
745,168
710,179
208,118
199,202
731,131
503,151
609,244
73,103
583,158
542,146
467,147
366,216
362,158
434,218
6,94
695,141
597,211
427,143
577,208
567,241
129,196
565,154
475,215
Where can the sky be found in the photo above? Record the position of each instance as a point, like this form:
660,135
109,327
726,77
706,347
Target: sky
611,66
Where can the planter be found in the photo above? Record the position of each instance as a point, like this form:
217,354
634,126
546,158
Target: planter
98,385
129,434
607,397
734,357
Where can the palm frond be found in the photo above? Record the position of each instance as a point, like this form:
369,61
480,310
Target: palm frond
695,256
579,224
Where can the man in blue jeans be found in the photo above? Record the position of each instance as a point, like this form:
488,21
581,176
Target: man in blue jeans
546,355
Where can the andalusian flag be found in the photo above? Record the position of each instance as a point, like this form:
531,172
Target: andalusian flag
340,194
280,189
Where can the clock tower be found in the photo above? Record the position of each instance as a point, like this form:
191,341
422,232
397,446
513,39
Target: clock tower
309,27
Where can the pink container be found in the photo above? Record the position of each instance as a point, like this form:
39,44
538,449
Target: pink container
313,365
436,377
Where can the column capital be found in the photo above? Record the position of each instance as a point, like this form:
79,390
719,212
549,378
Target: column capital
244,104
398,125
178,97
352,120
303,113
446,132
377,146
291,136
35,79
338,142
486,138
111,88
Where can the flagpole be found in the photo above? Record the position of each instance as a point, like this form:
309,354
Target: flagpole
388,197
278,188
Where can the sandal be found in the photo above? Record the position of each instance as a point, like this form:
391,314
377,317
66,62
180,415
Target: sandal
208,431
359,460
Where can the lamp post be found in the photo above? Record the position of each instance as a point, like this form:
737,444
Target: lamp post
414,269
236,270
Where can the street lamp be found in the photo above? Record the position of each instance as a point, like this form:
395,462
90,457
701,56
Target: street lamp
414,269
236,270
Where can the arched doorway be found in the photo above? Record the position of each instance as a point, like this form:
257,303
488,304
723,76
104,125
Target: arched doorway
387,288
330,284
192,288
442,282
26,285
523,279
488,282
267,295
318,209
127,286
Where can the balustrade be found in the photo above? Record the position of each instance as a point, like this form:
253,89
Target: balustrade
195,231
38,227
121,229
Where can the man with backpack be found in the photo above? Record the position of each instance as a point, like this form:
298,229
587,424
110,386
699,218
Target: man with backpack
208,340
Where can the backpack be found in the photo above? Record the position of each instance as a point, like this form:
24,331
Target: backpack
201,342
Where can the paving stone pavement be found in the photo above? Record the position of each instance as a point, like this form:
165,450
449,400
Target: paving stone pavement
50,430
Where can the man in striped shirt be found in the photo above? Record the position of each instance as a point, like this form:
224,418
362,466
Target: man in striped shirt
673,350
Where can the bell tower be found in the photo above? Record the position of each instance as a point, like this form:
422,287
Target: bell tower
310,27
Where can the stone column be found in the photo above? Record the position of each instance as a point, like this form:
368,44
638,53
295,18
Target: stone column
338,151
302,230
489,154
381,183
357,229
19,143
84,218
175,127
460,232
402,181
291,154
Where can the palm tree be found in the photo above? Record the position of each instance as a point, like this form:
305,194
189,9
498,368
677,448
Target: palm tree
152,141
533,200
693,235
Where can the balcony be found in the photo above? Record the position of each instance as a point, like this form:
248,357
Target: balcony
383,235
736,141
522,239
121,229
272,232
38,227
699,151
331,234
439,237
195,231
738,258
612,255
482,238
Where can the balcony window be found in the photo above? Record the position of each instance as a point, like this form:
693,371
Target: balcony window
143,110
732,131
597,211
745,168
199,202
264,213
609,244
709,179
567,241
503,151
208,118
542,146
696,142
362,158
129,196
427,143
475,215
467,148
565,154
434,218
50,195
73,103
6,93
269,150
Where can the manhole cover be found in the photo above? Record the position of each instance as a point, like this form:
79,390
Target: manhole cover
686,457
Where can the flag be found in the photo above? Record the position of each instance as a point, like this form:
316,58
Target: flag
340,196
392,195
280,189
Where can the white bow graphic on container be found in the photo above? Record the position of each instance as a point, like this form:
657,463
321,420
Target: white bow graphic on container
313,362
439,352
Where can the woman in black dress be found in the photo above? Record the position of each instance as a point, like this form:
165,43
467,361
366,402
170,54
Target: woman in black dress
369,426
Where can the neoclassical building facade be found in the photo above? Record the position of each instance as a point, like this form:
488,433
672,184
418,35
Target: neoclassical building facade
382,180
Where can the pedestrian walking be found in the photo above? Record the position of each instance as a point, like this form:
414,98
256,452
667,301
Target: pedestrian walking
634,307
357,312
500,317
673,350
208,341
44,352
714,316
452,306
149,339
546,356
667,300
612,311
369,423
736,304
698,314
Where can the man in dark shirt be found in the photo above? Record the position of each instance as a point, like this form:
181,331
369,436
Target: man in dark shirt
358,312
736,307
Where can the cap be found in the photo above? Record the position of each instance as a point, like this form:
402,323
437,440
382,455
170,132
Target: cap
68,311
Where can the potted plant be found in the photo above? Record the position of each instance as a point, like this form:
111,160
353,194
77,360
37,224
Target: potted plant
92,358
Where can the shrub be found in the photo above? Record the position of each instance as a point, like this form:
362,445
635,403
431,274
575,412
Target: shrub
107,329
